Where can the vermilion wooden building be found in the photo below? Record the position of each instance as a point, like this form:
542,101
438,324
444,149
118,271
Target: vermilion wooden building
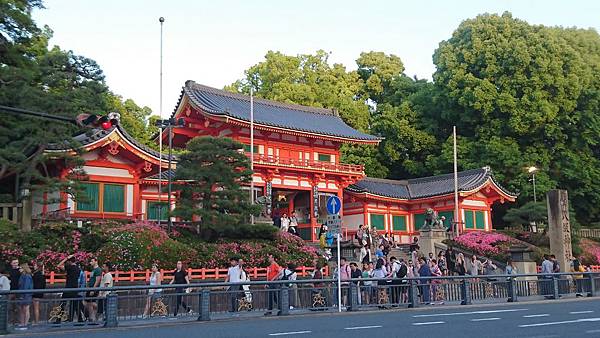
296,167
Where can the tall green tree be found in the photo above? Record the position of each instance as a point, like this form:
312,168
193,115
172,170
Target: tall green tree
526,95
36,77
309,79
214,171
137,121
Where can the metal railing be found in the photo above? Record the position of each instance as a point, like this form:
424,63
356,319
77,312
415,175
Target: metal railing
135,305
316,165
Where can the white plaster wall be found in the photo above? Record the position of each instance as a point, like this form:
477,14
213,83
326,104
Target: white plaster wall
144,209
290,182
116,159
129,201
474,203
70,204
351,222
106,171
90,156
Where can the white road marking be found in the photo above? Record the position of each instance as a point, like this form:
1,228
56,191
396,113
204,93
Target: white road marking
535,316
592,331
468,313
288,333
427,323
362,327
484,319
563,322
580,312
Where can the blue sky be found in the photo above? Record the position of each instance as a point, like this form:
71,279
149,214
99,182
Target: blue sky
213,42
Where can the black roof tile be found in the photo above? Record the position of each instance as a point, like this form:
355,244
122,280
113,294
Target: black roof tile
426,186
165,175
271,113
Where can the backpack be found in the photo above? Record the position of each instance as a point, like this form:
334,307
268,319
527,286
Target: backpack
402,271
286,277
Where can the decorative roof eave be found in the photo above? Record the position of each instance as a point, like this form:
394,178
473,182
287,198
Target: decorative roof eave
497,187
260,126
116,135
375,196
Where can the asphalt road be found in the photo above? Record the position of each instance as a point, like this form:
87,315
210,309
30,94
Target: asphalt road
549,319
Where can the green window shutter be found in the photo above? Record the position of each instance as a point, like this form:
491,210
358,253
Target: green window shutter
399,223
419,220
469,221
449,218
480,220
89,197
153,210
114,198
247,148
378,221
324,158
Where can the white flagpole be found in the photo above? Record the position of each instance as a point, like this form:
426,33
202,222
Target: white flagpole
161,20
252,149
456,209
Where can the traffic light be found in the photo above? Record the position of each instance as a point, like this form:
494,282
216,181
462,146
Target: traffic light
98,121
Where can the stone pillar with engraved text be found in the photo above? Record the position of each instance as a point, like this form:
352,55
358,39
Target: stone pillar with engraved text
559,227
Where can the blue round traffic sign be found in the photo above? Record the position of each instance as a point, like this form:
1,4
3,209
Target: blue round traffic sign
334,205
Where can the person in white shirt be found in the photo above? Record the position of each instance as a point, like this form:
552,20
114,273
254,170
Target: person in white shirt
289,273
244,277
153,294
293,224
4,281
106,282
285,222
234,275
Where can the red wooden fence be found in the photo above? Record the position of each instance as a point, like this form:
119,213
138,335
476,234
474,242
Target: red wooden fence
195,274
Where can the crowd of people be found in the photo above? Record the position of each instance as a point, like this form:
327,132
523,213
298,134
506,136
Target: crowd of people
382,279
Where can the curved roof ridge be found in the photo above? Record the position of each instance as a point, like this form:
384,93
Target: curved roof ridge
386,180
96,134
239,96
484,170
417,188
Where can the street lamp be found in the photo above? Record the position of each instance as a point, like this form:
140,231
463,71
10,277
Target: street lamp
169,124
532,170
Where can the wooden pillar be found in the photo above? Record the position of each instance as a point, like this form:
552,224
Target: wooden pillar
137,201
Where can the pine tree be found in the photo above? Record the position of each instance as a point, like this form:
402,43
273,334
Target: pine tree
213,172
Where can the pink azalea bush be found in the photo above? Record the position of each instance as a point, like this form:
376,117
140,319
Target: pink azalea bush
140,244
50,259
9,251
490,244
591,251
286,248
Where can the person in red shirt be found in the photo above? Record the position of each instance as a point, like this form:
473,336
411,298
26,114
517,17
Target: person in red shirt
273,272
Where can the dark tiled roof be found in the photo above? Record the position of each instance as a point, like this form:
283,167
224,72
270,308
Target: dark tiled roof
165,175
271,113
94,135
427,186
382,187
